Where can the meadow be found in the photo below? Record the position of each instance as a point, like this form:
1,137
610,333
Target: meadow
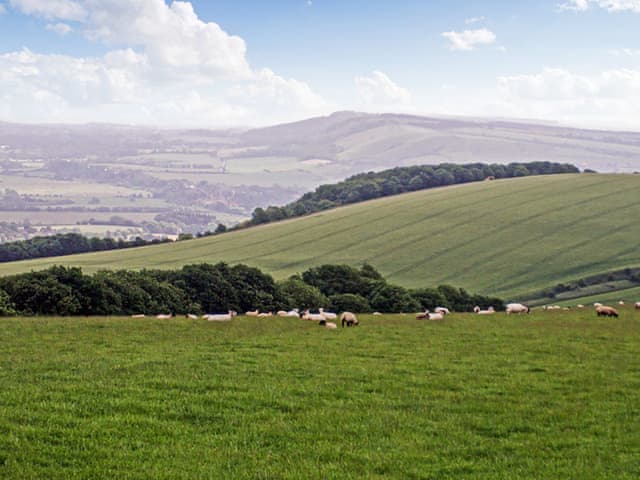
502,238
549,395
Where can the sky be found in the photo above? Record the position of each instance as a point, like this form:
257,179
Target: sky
219,63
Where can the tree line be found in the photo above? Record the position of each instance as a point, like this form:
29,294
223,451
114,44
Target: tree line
65,244
209,288
367,186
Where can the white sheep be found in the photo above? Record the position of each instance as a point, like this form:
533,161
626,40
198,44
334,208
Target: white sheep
164,316
252,313
191,316
327,315
488,311
220,317
517,308
329,325
138,315
349,318
442,310
316,317
637,305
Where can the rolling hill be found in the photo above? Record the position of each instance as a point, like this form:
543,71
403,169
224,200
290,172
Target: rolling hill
506,237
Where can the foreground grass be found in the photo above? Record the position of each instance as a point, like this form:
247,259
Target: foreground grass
501,238
550,395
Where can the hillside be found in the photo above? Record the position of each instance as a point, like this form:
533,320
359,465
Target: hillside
136,181
505,238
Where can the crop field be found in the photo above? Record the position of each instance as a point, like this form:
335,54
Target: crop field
500,238
549,395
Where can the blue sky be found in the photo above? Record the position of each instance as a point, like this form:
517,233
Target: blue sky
249,62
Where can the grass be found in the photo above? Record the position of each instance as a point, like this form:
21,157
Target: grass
499,238
550,395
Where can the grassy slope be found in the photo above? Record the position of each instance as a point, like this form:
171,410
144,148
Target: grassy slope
551,395
503,237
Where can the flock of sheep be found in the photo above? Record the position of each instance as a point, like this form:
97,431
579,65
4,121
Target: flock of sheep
349,319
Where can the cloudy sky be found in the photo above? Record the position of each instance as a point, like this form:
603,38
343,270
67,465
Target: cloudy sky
256,62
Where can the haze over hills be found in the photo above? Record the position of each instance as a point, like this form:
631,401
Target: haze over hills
125,181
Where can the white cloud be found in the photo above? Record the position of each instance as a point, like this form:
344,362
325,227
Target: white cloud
3,9
59,28
51,9
624,52
609,5
609,99
469,39
379,89
472,20
167,66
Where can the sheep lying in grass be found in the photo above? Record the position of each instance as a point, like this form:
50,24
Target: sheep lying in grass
329,325
164,316
253,313
265,314
220,317
316,317
327,315
290,313
191,316
605,311
488,311
442,310
349,318
426,315
138,315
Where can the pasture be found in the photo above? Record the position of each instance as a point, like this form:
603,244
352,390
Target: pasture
501,238
549,395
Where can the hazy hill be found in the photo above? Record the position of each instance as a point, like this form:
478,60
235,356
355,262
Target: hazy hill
167,181
507,237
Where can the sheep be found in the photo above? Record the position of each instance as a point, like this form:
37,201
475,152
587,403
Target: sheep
253,313
281,313
442,310
327,315
290,313
164,316
426,315
580,305
605,311
517,308
329,325
597,304
307,315
621,303
350,319
191,316
637,305
377,313
220,317
265,314
138,315
488,311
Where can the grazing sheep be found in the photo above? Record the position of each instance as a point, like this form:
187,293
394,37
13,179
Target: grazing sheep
329,325
517,308
138,315
316,317
220,317
580,305
605,311
253,313
597,304
488,311
442,310
637,305
164,316
620,303
327,315
350,319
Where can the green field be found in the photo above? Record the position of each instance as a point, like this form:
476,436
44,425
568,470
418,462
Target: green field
503,238
550,395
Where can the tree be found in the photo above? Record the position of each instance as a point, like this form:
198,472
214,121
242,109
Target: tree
349,302
393,299
6,305
298,294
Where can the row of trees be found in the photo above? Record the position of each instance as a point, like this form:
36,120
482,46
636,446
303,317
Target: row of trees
65,244
219,288
367,186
